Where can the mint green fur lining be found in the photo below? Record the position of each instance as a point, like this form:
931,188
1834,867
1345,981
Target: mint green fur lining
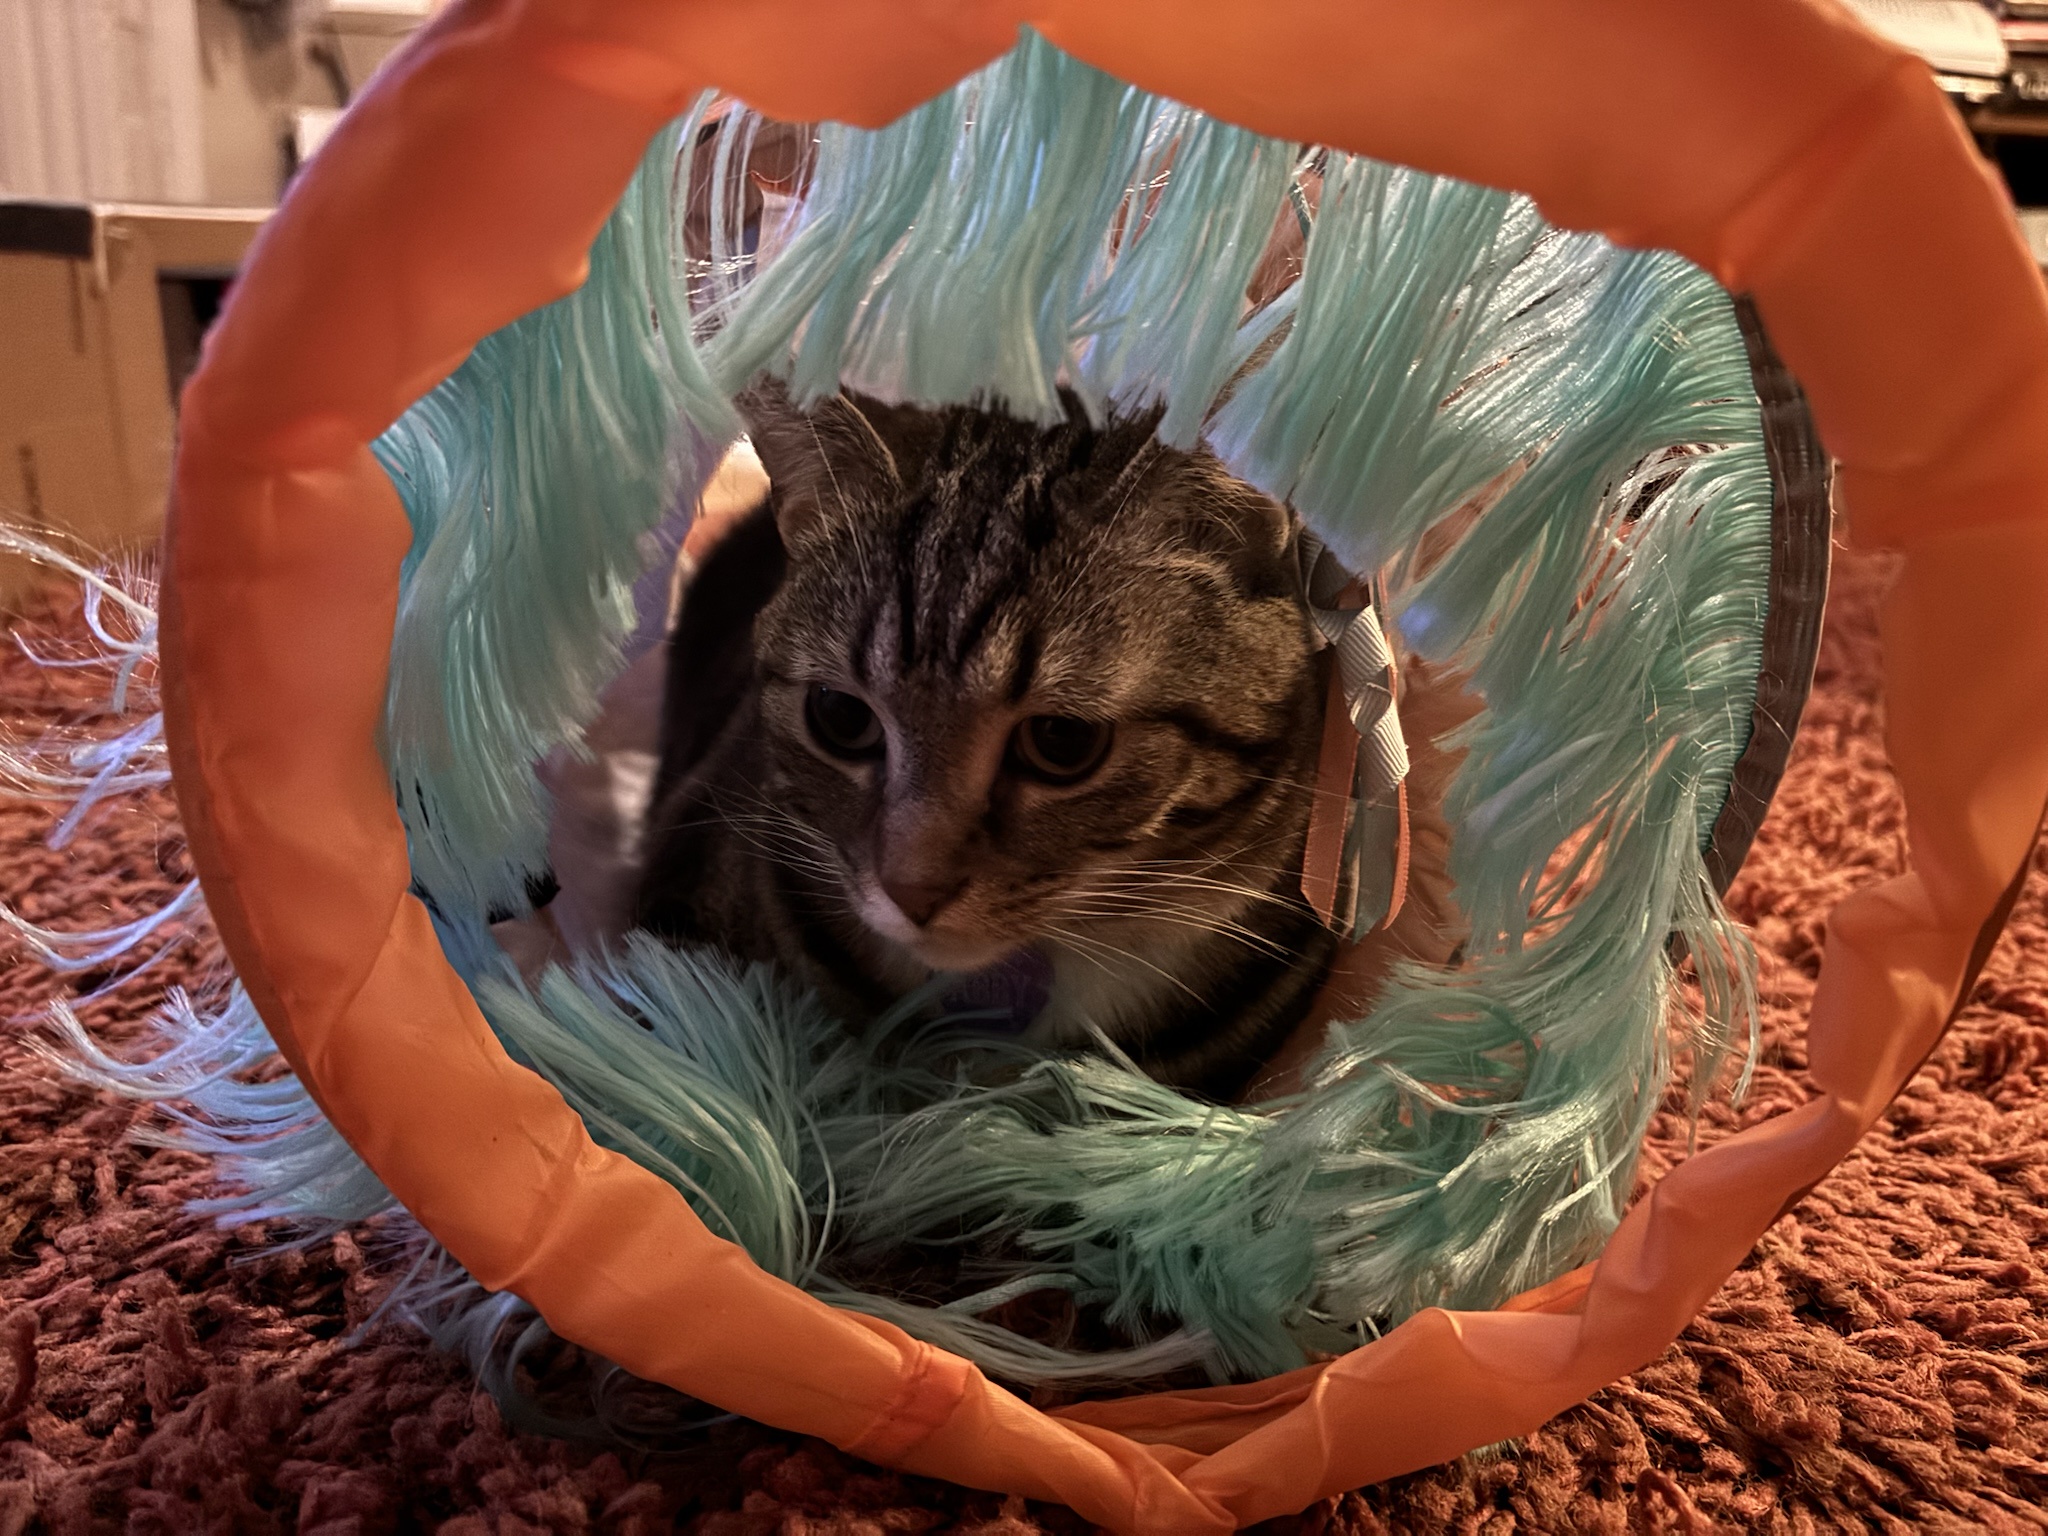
1477,1132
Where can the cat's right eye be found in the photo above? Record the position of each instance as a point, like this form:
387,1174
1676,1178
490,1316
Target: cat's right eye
842,723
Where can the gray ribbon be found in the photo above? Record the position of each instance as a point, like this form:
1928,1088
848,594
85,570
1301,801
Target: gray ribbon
1365,670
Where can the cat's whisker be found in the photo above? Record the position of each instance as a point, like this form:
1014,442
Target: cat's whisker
1141,885
776,834
1160,898
1189,885
793,859
770,812
1194,869
1097,947
1198,921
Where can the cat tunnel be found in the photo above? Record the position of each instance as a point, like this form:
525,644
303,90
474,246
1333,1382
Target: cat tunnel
347,554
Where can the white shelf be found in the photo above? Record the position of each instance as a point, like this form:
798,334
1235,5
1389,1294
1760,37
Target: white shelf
381,18
1956,37
2034,225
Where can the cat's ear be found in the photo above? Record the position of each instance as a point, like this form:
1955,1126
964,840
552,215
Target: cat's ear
1261,355
1215,512
910,433
824,465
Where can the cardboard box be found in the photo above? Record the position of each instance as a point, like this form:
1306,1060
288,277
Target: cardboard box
101,311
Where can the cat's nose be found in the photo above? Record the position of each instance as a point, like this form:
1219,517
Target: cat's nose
920,900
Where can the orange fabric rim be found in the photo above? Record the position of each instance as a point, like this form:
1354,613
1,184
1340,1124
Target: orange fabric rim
1788,151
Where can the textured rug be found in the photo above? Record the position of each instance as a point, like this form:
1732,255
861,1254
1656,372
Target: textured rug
1881,1362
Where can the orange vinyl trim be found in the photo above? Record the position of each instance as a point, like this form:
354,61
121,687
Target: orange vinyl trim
1402,850
1788,151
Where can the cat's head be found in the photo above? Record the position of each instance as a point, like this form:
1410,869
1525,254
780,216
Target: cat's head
1027,685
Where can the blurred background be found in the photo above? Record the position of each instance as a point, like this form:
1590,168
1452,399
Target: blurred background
191,102
142,142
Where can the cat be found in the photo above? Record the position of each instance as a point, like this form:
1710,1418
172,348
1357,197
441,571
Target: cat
1030,710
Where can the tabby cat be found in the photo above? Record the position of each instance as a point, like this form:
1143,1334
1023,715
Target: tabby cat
1030,710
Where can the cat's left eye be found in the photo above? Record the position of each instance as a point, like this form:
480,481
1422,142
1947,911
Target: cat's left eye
1060,749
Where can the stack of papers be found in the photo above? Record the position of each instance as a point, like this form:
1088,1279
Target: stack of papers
1956,37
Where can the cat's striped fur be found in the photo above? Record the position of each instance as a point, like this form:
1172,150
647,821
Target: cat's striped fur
962,573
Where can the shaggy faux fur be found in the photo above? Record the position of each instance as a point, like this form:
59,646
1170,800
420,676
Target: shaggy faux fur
1881,1361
